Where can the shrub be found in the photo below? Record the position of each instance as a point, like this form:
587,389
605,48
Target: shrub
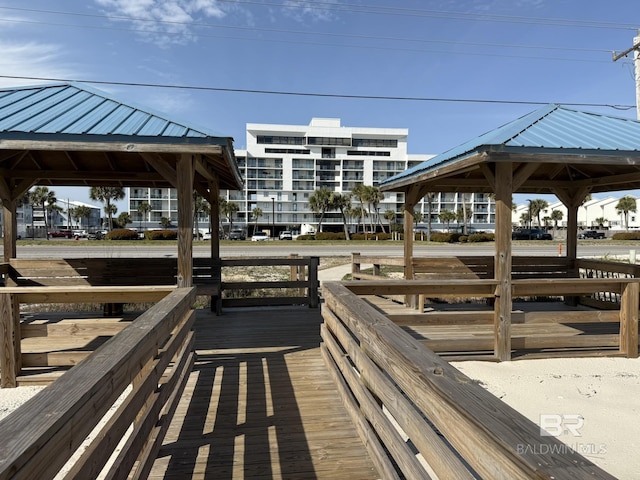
463,238
306,237
330,236
161,234
371,236
481,237
626,236
445,237
122,234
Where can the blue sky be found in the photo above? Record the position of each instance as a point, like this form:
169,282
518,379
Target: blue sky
461,61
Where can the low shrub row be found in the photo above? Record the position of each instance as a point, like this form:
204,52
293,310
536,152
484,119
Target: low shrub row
122,234
626,236
161,234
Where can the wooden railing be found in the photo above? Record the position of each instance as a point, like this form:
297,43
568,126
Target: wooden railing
589,268
395,388
139,375
300,289
537,331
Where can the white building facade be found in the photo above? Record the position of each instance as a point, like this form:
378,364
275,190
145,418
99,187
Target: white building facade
283,165
597,213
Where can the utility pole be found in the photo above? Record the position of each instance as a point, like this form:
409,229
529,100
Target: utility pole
636,60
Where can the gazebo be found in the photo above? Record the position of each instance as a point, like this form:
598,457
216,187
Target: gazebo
553,150
72,135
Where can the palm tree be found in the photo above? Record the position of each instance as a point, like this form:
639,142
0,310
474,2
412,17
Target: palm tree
360,192
556,216
601,221
342,202
625,205
81,212
390,216
200,205
525,218
123,219
256,213
44,198
106,195
320,202
143,211
536,207
447,216
375,196
229,210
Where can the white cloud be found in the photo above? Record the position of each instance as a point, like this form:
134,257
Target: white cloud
162,21
32,59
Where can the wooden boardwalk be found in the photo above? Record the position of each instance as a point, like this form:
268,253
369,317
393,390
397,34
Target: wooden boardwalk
261,404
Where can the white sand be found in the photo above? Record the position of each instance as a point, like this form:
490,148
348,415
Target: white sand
12,398
603,392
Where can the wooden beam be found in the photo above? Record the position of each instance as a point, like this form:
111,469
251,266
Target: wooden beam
489,175
502,267
522,174
167,171
129,147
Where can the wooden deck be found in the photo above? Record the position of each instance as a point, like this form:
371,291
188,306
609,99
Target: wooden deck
260,404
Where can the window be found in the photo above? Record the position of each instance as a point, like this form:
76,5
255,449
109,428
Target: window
279,140
287,150
342,142
363,153
375,142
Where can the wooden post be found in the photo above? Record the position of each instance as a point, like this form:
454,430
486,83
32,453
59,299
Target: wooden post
185,170
407,227
314,262
502,262
8,336
629,319
9,229
355,264
214,226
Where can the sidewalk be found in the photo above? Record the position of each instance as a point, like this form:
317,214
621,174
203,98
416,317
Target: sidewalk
336,274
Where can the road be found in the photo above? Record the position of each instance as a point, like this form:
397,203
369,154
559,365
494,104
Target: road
86,249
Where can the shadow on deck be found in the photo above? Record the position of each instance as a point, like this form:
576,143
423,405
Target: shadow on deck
260,403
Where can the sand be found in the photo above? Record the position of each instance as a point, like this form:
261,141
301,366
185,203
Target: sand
597,398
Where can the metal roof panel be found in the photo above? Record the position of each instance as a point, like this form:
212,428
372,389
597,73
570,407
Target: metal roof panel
551,127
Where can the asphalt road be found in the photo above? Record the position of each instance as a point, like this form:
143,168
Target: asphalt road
89,249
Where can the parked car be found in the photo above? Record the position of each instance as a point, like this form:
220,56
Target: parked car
286,235
530,234
591,234
237,234
259,237
61,233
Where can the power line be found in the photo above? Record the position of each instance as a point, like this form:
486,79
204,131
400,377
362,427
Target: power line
313,94
294,32
473,16
366,47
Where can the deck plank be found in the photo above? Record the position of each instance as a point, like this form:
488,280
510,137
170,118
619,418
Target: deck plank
261,404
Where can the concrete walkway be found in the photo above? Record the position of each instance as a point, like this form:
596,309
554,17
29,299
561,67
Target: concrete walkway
336,274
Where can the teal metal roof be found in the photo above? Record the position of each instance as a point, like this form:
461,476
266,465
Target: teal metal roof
73,109
550,129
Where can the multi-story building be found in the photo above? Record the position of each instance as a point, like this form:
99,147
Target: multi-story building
283,165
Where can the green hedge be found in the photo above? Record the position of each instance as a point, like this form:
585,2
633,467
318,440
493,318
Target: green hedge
330,236
122,234
161,234
371,236
481,237
305,237
626,236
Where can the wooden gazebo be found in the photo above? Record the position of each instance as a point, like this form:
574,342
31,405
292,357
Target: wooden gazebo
553,150
72,135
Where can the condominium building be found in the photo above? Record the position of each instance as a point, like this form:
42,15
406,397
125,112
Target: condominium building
283,165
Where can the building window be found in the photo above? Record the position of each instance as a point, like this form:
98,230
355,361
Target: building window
279,140
375,142
341,142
